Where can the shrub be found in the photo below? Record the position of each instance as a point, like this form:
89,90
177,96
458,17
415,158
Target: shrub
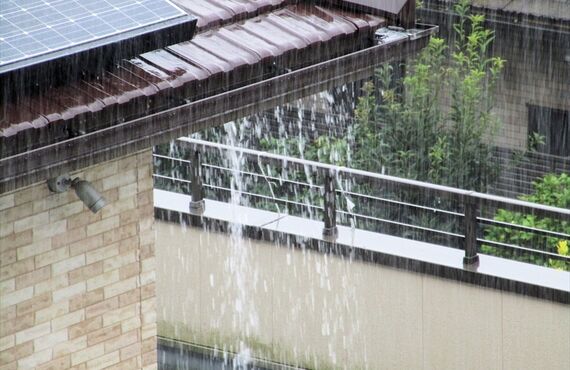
551,190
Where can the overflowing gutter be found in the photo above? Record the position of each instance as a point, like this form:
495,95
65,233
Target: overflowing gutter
137,134
220,75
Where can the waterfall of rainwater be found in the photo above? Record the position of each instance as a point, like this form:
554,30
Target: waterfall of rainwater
237,265
293,305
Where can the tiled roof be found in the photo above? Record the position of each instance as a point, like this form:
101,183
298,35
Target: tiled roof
288,35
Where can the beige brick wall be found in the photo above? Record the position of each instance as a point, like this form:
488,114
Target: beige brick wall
77,290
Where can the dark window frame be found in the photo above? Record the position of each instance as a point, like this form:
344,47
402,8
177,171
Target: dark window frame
553,125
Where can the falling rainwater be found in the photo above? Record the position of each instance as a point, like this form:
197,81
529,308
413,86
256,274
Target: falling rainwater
238,264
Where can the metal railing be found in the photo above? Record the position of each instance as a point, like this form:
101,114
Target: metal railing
468,211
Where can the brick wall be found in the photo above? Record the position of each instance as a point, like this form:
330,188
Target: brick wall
77,290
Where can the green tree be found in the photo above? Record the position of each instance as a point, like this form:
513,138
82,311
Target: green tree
435,125
412,132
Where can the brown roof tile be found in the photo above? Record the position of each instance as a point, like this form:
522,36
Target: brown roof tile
215,12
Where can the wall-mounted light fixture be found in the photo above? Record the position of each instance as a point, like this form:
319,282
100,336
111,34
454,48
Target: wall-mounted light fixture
84,190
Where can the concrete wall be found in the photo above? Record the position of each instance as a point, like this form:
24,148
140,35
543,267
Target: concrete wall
77,289
326,312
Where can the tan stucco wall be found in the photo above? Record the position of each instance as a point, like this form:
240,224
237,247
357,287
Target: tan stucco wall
328,312
77,289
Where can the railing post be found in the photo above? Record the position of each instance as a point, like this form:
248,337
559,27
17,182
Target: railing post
330,229
471,205
197,205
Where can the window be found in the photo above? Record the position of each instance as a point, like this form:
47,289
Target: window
554,126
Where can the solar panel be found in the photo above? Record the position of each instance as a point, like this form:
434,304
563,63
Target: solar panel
33,31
